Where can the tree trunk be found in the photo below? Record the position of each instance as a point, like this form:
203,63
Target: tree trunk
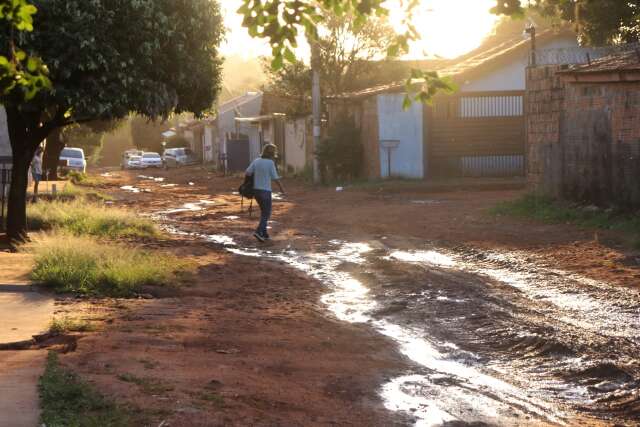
25,134
52,154
17,210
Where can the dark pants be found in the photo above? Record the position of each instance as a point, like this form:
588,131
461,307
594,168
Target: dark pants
264,201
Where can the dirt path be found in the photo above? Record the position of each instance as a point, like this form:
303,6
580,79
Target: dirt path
463,317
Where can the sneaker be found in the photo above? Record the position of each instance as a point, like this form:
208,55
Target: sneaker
259,236
266,236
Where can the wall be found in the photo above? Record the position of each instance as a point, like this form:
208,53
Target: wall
5,145
512,76
584,139
295,144
407,160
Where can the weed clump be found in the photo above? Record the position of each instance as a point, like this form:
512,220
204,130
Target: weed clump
82,217
84,265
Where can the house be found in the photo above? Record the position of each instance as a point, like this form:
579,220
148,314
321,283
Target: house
478,131
231,138
245,124
5,164
583,130
5,144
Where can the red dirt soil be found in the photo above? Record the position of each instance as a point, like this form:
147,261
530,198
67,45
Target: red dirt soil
249,343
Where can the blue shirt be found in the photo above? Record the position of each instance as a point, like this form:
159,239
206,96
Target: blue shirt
263,171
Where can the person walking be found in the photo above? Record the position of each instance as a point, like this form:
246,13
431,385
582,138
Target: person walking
263,170
36,172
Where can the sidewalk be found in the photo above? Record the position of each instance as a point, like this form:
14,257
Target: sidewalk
19,373
23,313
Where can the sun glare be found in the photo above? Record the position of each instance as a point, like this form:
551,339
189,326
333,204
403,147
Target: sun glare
449,28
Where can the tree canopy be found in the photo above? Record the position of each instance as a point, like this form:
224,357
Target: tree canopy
282,22
351,58
598,22
107,58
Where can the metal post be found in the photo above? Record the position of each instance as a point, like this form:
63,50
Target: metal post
317,107
531,30
389,162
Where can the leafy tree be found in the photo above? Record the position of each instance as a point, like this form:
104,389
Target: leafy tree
349,61
597,21
147,135
20,74
108,58
281,22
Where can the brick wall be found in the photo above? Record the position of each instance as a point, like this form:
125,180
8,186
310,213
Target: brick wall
583,139
544,105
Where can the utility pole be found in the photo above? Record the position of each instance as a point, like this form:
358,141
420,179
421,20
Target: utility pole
317,107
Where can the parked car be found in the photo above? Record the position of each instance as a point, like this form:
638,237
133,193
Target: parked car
124,163
73,159
175,157
132,162
151,160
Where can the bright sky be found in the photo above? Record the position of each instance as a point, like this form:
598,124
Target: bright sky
449,28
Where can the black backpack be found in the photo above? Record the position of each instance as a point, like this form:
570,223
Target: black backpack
246,189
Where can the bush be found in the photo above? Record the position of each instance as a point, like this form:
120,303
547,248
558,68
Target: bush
340,155
86,266
81,217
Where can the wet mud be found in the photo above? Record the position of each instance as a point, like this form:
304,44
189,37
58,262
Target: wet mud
493,338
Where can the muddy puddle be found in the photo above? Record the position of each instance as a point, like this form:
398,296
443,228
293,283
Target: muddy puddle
491,337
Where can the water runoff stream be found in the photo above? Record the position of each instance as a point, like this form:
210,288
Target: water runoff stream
493,338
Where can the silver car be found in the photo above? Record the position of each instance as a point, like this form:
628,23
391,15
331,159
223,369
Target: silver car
176,157
151,160
73,159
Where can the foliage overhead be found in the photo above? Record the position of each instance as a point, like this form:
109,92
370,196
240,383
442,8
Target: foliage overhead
282,22
598,22
20,74
351,58
107,58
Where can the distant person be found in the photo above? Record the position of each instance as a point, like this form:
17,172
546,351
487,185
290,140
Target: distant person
263,170
36,171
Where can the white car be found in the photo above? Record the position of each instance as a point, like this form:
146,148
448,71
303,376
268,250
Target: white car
151,160
73,159
133,162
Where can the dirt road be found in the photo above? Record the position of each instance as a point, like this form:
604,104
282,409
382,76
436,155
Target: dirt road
375,306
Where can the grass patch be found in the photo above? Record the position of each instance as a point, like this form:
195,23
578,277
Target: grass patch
82,217
147,385
68,401
67,324
551,211
83,265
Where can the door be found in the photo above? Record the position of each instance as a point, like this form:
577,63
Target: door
238,155
476,134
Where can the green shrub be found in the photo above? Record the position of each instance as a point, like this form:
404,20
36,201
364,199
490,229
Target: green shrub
81,217
341,154
68,401
86,266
